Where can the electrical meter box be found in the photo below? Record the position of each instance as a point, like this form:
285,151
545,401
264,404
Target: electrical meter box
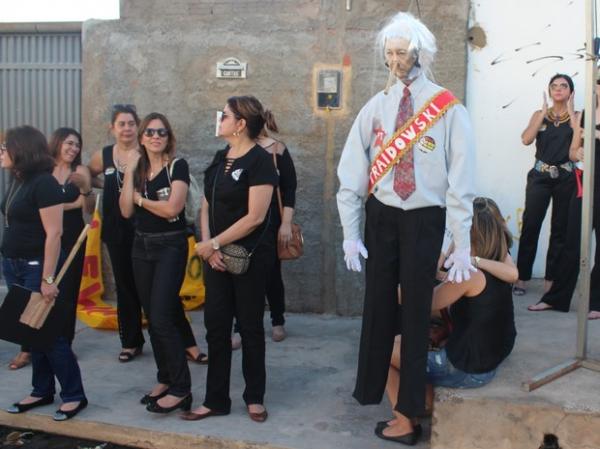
329,85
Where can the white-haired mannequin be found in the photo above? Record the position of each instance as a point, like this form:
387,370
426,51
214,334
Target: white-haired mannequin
410,154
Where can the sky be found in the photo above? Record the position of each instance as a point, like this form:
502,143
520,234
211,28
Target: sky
57,10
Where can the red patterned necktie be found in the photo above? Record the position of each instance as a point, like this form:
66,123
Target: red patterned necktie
404,172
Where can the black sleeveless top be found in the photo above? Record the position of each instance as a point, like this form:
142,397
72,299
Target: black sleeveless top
72,218
552,142
115,228
483,333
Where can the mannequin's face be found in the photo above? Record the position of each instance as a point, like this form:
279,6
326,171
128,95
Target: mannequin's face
398,58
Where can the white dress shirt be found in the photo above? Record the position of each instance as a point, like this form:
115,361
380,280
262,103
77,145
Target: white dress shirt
444,162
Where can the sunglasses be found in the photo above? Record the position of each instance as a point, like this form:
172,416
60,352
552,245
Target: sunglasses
224,116
124,107
162,132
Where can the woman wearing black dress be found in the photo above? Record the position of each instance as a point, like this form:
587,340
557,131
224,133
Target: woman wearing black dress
551,178
65,147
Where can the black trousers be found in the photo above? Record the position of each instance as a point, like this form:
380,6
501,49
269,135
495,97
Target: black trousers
404,247
561,293
541,188
276,294
159,262
129,306
242,296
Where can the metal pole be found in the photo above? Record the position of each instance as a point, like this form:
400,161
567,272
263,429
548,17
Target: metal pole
587,206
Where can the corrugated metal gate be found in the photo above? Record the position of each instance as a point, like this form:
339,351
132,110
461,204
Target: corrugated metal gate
40,81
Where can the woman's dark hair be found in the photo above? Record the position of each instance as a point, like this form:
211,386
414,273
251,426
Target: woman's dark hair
144,163
251,110
550,441
28,150
123,109
567,78
57,139
490,237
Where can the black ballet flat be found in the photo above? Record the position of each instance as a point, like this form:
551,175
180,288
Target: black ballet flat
21,408
408,439
147,398
185,404
63,415
417,428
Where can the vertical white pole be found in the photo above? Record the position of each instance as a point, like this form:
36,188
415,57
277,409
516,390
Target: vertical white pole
588,179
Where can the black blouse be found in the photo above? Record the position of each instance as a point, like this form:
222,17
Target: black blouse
231,186
24,234
552,142
146,221
484,332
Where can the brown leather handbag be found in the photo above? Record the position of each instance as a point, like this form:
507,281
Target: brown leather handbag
295,247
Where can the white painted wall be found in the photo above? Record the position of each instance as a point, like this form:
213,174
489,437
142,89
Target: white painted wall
501,97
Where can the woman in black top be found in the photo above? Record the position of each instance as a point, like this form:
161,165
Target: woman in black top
550,178
154,191
282,225
238,188
481,309
117,231
559,296
65,148
33,217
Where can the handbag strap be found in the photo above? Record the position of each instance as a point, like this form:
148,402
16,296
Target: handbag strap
212,211
278,192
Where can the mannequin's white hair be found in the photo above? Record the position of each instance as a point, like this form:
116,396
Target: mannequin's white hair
421,41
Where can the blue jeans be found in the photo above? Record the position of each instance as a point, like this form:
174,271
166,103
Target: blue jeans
441,373
58,361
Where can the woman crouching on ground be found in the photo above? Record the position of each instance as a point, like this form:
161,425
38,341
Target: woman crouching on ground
481,310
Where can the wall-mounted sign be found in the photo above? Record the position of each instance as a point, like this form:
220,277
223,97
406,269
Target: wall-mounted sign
231,68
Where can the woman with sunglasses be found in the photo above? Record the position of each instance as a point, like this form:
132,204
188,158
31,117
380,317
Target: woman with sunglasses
117,231
551,178
238,188
154,192
76,182
33,223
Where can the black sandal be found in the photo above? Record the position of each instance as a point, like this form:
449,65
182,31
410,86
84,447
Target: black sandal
128,356
201,359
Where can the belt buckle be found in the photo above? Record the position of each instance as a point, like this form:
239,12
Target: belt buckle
553,170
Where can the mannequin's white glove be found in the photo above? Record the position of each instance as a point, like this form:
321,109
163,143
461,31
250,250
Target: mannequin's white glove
459,264
352,248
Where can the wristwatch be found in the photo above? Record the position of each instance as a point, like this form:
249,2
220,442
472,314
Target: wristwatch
49,280
215,244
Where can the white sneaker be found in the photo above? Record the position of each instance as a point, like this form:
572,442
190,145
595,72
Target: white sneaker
236,341
278,333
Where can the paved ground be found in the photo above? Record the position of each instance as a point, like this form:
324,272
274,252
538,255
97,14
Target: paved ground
310,381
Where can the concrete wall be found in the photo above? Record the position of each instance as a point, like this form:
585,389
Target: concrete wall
162,56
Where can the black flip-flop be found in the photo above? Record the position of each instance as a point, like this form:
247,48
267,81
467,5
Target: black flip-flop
518,291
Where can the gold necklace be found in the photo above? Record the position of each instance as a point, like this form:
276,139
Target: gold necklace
558,119
10,199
